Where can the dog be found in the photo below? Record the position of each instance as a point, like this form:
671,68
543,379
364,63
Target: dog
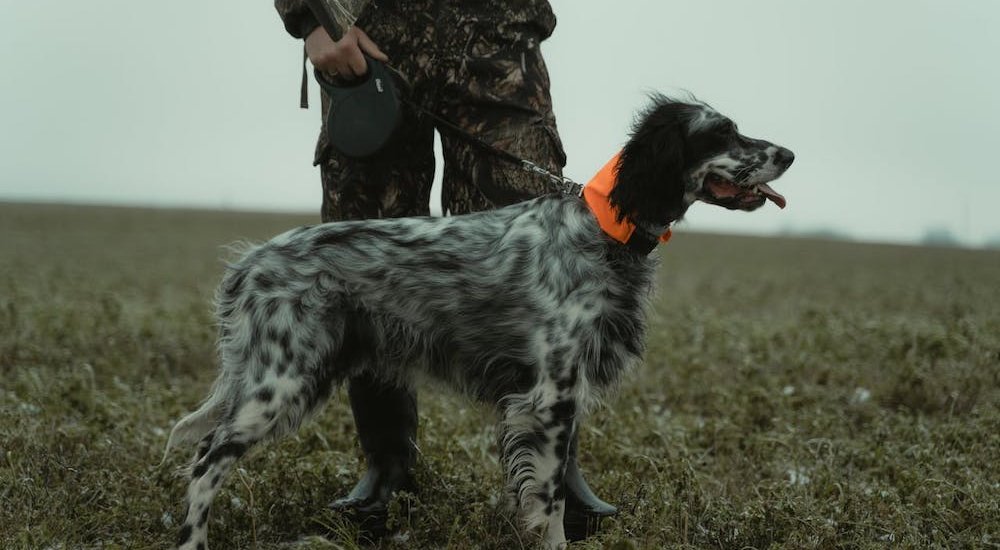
549,313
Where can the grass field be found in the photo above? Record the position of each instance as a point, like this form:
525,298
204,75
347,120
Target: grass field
796,394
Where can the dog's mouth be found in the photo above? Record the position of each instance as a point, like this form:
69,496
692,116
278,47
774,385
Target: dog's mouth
723,192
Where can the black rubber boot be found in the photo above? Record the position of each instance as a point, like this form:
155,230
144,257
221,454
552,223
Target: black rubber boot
386,420
584,509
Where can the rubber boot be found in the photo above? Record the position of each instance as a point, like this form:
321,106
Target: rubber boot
386,420
584,509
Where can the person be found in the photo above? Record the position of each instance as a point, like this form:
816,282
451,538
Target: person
477,64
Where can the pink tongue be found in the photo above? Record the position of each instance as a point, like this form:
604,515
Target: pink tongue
771,194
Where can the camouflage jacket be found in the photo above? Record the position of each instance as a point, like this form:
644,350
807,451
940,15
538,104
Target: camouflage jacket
300,21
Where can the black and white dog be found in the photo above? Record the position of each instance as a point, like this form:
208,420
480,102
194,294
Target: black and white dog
534,308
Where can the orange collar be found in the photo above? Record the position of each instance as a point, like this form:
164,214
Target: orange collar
596,192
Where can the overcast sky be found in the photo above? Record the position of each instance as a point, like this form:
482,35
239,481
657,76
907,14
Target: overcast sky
892,107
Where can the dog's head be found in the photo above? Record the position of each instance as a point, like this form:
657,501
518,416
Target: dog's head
682,152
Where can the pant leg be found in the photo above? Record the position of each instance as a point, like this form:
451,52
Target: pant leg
396,181
393,183
495,85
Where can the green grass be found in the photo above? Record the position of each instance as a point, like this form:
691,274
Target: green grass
796,394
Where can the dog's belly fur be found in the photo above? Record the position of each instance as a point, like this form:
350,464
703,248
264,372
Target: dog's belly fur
479,301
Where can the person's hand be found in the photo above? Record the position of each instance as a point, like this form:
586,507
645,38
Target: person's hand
342,57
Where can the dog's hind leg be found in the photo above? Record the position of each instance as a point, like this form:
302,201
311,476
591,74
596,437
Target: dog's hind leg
261,409
214,460
535,435
255,415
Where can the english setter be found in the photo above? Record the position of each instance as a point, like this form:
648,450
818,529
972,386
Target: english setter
548,313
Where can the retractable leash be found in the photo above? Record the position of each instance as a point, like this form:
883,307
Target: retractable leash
367,112
364,115
369,132
560,183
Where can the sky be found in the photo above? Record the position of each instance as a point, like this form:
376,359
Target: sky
892,107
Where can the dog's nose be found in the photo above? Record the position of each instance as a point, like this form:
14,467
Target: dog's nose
784,157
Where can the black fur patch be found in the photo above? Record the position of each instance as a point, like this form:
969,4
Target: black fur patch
232,448
184,535
204,518
265,394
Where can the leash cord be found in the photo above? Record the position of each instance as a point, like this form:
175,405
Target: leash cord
561,183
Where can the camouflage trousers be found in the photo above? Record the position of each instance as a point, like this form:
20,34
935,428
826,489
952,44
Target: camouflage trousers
478,64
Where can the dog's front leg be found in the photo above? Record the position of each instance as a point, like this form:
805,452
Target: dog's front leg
535,435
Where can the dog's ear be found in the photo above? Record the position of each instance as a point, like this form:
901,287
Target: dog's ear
650,182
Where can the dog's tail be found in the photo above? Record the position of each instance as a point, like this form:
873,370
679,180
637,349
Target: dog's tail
194,426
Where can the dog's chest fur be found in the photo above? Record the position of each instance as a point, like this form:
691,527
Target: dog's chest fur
480,300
